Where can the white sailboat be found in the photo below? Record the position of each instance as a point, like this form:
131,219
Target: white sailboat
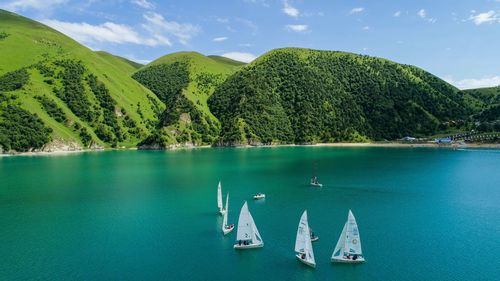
348,248
219,199
248,235
303,245
225,227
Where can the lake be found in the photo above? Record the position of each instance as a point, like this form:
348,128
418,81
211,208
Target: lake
423,213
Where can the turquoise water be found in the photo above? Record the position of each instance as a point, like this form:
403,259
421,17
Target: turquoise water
423,214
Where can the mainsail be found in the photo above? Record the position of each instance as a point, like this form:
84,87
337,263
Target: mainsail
353,240
219,197
303,243
224,222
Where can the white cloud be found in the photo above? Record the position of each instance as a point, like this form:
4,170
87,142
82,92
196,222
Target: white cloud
356,10
249,24
159,27
20,5
297,27
144,4
473,83
239,56
133,58
397,14
219,39
422,13
222,20
107,32
261,2
487,17
290,10
366,27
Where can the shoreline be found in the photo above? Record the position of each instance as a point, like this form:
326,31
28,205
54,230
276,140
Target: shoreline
342,144
415,145
375,144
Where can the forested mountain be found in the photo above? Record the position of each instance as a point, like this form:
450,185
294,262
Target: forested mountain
58,94
305,96
184,81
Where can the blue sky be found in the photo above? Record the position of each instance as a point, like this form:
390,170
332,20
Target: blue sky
457,40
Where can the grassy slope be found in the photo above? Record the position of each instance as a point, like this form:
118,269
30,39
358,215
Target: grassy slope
123,63
29,42
226,60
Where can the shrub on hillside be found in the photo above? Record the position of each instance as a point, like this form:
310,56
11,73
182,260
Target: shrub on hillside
21,130
14,80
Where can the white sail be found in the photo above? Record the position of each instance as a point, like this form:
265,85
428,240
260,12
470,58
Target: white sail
353,240
339,248
219,197
256,239
247,230
303,243
350,241
224,221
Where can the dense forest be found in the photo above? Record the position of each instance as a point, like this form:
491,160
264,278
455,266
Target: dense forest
21,130
486,108
307,96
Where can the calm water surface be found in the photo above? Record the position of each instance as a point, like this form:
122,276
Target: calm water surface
423,214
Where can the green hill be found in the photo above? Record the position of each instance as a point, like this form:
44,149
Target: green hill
483,97
184,81
58,94
305,96
486,105
83,98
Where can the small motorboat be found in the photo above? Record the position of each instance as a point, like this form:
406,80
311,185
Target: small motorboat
259,196
314,237
315,182
227,228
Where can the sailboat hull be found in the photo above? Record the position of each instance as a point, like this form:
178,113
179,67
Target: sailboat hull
298,256
251,246
227,230
345,260
314,239
317,184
